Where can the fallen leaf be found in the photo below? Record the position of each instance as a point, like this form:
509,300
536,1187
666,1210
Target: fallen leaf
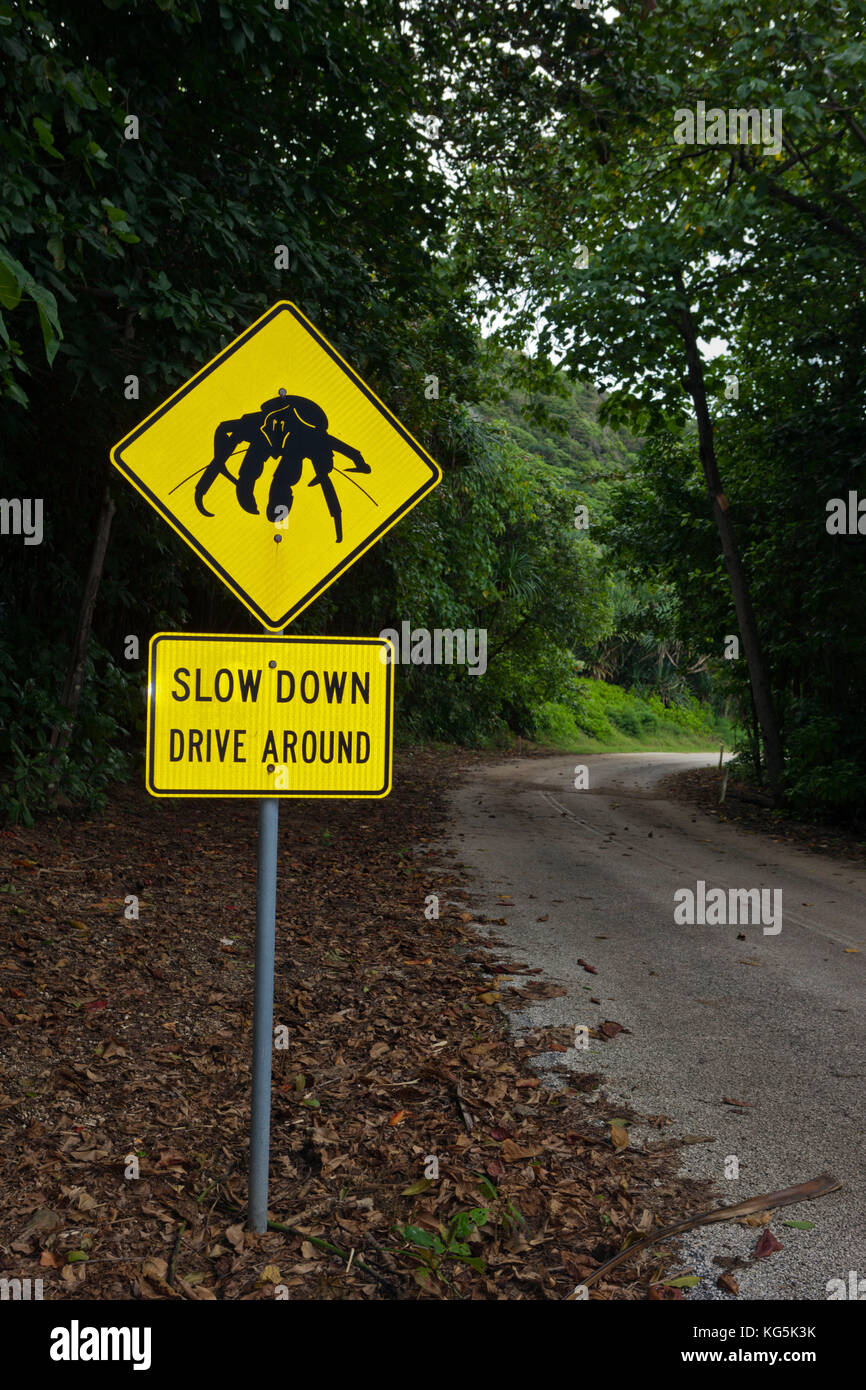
618,1135
513,1153
41,1222
590,969
760,1218
235,1237
194,1289
744,1104
728,1283
767,1245
169,1158
417,1187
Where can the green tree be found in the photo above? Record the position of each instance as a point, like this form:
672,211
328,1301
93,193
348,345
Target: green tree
677,234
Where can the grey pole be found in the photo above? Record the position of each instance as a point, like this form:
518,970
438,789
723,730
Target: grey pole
263,1014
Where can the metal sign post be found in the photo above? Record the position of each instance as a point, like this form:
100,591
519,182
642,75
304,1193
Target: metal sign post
273,717
270,717
263,1014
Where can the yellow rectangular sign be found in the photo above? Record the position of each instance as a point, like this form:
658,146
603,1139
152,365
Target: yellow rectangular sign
269,716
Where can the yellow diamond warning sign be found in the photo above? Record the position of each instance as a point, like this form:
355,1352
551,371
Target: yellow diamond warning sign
269,716
277,464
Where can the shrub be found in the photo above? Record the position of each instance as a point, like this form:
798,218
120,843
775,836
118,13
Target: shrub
32,774
555,723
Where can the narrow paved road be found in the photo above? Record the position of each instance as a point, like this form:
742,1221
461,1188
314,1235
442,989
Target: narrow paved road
773,1020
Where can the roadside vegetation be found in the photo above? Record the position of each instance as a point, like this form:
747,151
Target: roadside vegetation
423,178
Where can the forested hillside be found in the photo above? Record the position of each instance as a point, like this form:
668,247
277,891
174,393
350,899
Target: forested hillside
563,430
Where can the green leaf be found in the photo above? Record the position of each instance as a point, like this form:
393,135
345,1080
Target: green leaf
416,1235
13,390
47,303
76,1257
49,337
476,1263
800,1225
686,1281
45,137
12,279
420,1186
58,256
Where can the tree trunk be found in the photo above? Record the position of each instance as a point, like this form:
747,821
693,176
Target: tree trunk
61,733
758,674
756,741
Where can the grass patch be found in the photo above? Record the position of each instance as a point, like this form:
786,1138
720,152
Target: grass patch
671,741
596,717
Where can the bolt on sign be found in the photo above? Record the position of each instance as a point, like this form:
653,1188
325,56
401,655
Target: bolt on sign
269,716
255,463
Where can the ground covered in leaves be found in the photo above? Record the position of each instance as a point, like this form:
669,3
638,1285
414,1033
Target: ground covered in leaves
750,809
415,1151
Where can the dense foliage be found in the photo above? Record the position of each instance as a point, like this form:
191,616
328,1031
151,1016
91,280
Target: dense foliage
429,170
140,257
633,244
